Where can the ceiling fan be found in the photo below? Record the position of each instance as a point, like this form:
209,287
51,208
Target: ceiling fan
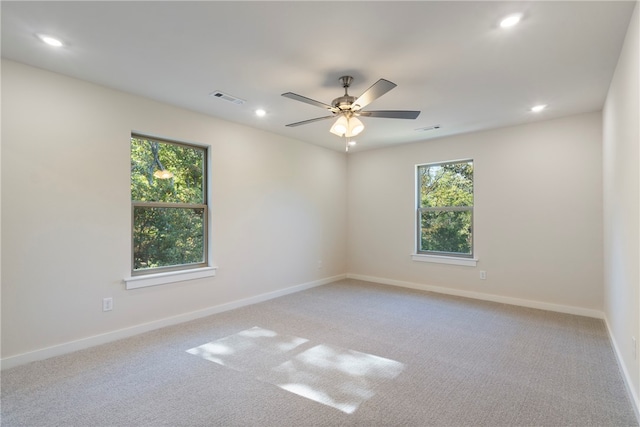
348,108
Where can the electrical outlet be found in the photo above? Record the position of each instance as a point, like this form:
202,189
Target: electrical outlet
107,304
483,275
634,348
320,265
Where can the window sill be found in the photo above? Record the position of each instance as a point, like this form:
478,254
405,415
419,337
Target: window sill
168,277
468,262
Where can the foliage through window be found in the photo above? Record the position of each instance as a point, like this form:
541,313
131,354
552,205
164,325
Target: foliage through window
445,209
169,205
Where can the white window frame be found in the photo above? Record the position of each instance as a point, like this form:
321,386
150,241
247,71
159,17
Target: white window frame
173,274
442,257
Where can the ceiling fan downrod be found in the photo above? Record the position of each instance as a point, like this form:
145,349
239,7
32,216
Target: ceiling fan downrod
343,103
346,82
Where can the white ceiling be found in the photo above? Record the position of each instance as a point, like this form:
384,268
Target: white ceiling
450,60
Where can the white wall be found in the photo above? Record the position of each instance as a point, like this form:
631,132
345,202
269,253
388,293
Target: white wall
538,214
279,206
621,161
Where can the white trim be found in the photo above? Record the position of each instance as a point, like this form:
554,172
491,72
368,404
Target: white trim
485,297
635,402
69,347
469,262
168,277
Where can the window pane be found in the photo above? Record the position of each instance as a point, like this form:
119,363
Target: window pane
183,167
445,185
164,237
446,231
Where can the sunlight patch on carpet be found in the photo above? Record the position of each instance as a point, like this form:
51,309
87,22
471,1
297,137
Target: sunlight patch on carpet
337,377
251,350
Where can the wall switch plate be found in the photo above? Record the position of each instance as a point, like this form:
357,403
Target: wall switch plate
107,304
634,349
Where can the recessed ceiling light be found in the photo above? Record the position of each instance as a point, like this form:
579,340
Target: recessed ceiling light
260,112
51,41
538,108
511,20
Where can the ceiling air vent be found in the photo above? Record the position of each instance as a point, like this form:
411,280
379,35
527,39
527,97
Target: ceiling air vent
428,128
227,97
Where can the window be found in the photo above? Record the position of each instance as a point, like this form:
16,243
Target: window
169,206
445,209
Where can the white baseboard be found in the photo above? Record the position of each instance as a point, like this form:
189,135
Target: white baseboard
485,297
69,347
625,373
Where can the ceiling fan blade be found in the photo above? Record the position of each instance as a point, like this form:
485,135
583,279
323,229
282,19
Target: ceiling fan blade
378,89
390,114
304,122
306,100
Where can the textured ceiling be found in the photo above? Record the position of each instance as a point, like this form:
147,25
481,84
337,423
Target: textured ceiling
450,60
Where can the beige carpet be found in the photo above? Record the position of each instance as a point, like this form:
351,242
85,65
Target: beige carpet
348,353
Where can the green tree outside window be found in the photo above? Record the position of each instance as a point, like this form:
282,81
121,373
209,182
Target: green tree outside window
169,205
445,208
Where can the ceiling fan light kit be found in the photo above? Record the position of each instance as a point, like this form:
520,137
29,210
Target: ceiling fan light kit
355,126
347,126
347,108
340,126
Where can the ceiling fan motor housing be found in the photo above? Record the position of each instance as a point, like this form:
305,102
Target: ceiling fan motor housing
344,102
